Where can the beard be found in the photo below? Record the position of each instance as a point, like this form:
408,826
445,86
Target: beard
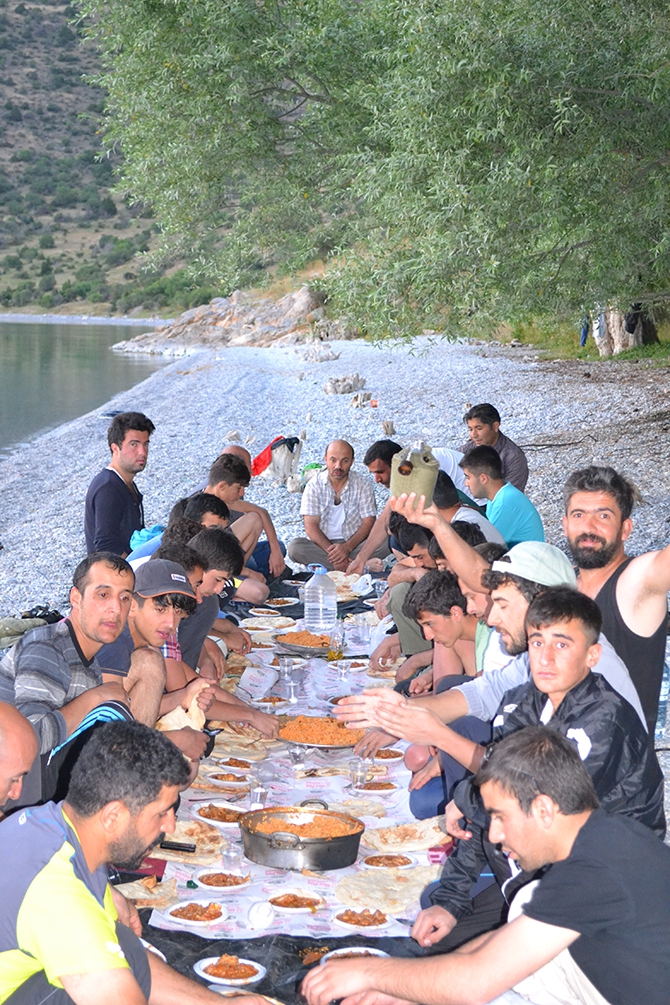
595,557
129,852
516,645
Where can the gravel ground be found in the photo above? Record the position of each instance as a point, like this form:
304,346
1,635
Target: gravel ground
565,414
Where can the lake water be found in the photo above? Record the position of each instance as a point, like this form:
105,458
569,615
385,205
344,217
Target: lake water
51,373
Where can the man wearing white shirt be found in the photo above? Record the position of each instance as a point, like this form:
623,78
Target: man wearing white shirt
338,509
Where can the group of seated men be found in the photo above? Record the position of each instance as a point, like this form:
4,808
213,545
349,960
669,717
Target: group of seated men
529,698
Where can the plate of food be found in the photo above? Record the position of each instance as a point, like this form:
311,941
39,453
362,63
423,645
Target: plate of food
228,969
337,699
380,788
279,602
267,624
396,861
262,612
318,731
389,754
229,779
270,702
235,762
357,666
351,953
298,661
296,900
197,913
217,812
365,920
303,643
224,882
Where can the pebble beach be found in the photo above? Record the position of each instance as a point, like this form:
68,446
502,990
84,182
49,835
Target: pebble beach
566,414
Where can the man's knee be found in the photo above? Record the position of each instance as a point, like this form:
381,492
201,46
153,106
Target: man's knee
147,666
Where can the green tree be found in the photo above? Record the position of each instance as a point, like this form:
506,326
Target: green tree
462,162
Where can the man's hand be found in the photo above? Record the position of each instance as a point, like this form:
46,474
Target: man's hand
372,742
409,721
235,638
431,770
381,607
194,689
359,711
432,925
412,664
266,724
388,649
191,742
356,567
453,822
339,979
276,563
212,660
425,516
422,684
127,912
339,556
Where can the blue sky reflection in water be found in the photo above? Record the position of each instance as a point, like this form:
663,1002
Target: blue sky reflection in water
51,373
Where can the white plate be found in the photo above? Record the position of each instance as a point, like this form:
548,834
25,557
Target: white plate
361,668
362,951
267,624
298,662
378,868
218,889
266,706
199,968
262,612
361,928
370,602
195,924
221,762
243,783
152,949
373,793
215,823
321,903
294,582
288,602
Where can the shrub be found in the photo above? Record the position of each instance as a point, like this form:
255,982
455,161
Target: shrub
47,241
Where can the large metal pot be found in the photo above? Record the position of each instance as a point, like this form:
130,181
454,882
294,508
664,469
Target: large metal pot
288,850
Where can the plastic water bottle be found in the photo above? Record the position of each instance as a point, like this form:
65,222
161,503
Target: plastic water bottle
320,601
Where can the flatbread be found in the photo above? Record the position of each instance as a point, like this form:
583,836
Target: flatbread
419,835
148,892
269,623
359,808
209,843
235,660
392,891
236,730
179,717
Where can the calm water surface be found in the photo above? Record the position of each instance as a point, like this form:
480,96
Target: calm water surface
50,373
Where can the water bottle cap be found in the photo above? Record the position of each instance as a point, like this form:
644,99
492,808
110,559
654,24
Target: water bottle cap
318,570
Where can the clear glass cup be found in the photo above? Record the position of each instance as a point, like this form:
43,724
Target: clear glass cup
285,668
381,586
343,667
358,771
301,594
296,754
292,696
232,860
258,797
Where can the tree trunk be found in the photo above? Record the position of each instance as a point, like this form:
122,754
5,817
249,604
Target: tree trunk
614,332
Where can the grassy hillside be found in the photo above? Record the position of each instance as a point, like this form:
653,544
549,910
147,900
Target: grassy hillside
66,243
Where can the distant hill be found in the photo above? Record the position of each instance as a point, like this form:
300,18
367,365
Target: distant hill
66,243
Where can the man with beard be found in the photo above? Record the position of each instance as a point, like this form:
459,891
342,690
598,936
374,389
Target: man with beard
66,936
338,509
630,592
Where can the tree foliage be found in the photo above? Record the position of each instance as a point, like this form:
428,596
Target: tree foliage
461,161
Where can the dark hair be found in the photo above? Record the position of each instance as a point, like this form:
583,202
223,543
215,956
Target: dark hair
229,469
125,421
492,580
434,549
538,760
557,604
436,592
125,761
180,530
188,558
483,461
381,450
179,601
471,533
409,534
178,510
487,414
396,521
205,502
490,551
115,562
445,494
601,479
220,548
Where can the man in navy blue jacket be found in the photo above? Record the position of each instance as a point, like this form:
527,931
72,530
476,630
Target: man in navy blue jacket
113,502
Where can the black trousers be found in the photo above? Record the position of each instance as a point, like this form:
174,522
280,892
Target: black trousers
489,911
38,991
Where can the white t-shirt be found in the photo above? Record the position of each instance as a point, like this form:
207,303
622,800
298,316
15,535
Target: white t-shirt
448,460
470,515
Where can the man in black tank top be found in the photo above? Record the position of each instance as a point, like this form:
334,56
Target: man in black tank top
631,592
